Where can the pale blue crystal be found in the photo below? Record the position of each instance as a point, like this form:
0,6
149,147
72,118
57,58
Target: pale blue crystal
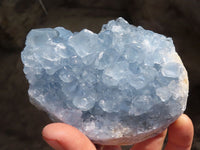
120,86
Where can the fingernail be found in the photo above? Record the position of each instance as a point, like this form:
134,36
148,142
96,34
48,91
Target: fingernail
54,144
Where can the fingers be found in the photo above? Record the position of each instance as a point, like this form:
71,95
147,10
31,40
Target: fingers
65,137
61,136
154,143
180,134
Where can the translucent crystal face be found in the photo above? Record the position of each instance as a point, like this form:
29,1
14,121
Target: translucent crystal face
120,86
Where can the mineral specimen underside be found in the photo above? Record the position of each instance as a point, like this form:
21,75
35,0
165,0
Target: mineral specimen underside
120,86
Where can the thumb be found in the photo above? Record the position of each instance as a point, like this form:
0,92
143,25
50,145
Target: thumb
62,136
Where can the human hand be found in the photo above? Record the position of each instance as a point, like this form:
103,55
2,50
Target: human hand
61,136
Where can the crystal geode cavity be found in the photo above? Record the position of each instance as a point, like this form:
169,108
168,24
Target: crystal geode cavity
120,86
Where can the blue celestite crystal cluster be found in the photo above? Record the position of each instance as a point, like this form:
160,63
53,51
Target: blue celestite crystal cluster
120,86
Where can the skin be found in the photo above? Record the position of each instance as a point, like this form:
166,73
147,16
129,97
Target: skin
62,136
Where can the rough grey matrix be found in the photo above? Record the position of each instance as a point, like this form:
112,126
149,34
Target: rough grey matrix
120,86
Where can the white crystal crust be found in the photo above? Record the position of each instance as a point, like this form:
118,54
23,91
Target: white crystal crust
119,87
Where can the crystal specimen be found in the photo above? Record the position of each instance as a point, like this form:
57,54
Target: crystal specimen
121,86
